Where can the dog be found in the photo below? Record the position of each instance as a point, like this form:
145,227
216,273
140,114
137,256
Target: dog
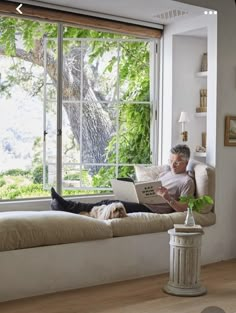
107,212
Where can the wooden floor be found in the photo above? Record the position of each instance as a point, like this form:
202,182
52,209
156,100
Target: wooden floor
138,296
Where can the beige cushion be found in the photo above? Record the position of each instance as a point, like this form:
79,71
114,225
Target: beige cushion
141,223
149,173
205,183
206,219
144,223
20,230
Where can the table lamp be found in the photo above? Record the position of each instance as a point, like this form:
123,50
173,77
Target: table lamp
184,119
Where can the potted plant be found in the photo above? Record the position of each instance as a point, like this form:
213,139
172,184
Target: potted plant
194,204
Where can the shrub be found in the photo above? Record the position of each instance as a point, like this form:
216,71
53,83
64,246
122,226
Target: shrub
2,182
16,172
37,174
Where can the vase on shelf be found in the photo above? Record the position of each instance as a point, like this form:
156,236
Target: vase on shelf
204,63
189,220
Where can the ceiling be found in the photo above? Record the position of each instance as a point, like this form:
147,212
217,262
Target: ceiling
145,11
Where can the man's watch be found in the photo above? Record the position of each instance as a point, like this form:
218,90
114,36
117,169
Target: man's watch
172,201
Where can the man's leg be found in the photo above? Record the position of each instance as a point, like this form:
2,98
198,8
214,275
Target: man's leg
60,204
132,207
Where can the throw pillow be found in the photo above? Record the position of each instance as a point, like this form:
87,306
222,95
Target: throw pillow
149,173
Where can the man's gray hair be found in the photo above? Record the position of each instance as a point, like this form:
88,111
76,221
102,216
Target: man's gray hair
182,150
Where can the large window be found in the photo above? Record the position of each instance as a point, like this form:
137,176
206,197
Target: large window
79,134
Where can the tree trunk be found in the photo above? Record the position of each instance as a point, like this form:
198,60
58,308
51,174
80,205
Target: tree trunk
96,124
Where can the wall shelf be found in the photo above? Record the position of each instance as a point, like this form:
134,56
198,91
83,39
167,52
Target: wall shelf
201,74
201,114
200,154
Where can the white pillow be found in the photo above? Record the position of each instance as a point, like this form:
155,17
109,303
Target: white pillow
149,173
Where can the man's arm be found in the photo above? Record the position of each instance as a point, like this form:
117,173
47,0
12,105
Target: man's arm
176,205
188,189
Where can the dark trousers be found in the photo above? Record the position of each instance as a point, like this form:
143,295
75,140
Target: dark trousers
130,207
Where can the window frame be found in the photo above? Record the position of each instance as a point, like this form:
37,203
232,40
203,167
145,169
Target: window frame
154,61
42,14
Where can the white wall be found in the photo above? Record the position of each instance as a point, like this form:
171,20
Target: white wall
222,238
181,88
187,55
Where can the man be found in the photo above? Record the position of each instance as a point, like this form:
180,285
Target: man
175,183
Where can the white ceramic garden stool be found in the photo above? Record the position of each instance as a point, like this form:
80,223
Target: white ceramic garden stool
185,253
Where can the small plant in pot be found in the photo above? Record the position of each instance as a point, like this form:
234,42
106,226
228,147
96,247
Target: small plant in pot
194,204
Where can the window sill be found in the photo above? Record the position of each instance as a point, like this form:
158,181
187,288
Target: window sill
44,204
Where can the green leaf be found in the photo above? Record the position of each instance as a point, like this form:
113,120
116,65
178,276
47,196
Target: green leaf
196,204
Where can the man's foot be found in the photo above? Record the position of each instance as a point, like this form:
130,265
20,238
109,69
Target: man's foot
60,204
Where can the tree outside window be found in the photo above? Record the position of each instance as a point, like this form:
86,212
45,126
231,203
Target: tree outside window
106,108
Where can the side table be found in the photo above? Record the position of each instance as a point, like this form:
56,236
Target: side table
185,253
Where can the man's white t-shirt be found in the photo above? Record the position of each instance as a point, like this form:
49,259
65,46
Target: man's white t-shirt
177,185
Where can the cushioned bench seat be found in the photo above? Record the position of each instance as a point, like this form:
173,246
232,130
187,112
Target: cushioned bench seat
145,223
26,229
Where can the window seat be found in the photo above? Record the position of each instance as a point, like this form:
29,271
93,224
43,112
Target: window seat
49,251
29,229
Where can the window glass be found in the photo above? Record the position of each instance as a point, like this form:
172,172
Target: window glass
22,78
107,108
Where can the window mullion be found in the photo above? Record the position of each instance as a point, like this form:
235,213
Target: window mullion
59,106
118,109
44,111
81,108
154,82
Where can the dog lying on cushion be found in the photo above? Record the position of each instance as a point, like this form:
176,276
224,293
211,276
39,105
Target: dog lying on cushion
106,212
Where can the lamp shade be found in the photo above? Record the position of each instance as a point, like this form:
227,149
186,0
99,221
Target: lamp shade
183,117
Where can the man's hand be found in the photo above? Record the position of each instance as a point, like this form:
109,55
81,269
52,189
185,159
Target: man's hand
163,192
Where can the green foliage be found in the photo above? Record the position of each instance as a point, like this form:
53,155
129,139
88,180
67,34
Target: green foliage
77,192
37,174
16,172
103,177
84,176
21,187
2,182
37,150
7,31
17,191
134,119
196,204
134,143
31,30
72,176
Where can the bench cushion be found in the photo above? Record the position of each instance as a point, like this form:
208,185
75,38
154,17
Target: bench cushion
27,229
140,223
144,223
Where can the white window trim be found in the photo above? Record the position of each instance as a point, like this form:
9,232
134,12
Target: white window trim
44,204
